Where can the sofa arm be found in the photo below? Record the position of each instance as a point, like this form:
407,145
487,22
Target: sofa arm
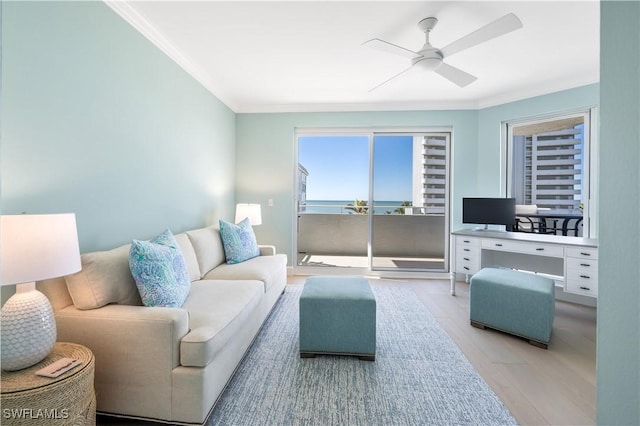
267,250
135,348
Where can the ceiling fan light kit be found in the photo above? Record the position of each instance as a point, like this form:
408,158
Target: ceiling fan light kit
427,63
429,58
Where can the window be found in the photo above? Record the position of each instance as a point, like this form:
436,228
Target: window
548,168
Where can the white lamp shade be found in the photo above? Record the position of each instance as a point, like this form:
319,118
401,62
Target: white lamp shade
33,248
37,247
252,211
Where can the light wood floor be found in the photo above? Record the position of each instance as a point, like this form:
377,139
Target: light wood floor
556,386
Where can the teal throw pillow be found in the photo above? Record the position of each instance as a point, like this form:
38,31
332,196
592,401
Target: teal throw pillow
160,271
239,241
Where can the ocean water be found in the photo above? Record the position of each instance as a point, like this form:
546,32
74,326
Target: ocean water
340,207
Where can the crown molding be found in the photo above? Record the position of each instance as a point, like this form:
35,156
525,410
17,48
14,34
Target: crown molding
354,107
143,26
441,105
532,92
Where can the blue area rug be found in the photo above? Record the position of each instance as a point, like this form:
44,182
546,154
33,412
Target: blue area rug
419,377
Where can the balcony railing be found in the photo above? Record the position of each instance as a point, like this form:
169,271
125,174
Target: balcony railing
401,235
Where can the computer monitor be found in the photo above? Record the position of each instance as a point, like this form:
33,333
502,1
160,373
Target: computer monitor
489,211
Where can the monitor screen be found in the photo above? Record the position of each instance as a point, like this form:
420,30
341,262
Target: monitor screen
489,211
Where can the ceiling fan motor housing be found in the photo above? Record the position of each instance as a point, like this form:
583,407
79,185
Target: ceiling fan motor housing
430,58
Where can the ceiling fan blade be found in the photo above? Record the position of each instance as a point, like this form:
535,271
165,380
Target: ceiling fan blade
385,46
494,29
455,75
389,79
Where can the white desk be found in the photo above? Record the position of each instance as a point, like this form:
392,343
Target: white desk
572,262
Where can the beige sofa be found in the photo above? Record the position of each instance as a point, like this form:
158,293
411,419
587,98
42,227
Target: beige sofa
167,364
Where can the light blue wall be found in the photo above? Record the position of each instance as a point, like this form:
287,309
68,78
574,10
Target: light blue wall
97,121
266,157
618,361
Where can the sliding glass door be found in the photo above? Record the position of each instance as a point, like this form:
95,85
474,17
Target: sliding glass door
373,200
332,200
410,195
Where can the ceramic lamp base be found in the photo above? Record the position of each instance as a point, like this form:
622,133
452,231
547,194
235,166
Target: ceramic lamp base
28,328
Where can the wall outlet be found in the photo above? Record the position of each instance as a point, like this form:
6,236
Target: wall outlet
270,202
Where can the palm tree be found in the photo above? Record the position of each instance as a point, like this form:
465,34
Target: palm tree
359,207
400,210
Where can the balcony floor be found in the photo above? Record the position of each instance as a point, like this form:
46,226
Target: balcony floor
400,263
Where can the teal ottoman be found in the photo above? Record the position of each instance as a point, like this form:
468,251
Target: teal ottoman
514,302
337,316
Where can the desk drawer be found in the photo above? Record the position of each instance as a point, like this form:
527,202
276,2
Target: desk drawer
467,242
539,249
577,267
473,252
582,253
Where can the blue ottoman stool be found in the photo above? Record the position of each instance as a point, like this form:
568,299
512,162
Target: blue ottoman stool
515,302
337,316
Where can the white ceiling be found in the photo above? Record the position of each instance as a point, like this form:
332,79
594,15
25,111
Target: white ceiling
267,56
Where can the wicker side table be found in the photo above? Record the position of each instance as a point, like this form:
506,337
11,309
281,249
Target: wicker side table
28,399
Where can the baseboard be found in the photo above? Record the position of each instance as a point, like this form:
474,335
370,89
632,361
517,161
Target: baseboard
576,298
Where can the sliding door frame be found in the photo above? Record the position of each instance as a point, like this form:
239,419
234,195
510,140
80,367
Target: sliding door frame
371,132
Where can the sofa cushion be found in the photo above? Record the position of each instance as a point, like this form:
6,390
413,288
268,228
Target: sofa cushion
105,278
268,269
208,247
189,256
160,271
217,311
239,241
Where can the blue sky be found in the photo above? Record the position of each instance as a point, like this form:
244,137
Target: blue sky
339,167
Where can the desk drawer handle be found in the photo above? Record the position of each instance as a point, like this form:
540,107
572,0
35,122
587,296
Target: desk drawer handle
585,254
584,288
466,249
466,258
498,245
585,276
585,264
464,267
467,241
539,249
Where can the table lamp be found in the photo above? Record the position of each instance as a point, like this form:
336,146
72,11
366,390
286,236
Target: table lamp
252,211
33,248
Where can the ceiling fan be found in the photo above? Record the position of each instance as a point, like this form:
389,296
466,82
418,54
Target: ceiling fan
430,58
